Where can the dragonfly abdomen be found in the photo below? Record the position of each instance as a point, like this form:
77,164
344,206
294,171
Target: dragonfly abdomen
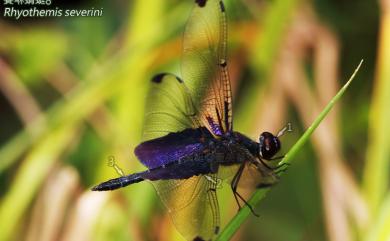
118,182
186,167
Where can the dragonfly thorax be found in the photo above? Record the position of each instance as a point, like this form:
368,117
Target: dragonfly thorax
269,145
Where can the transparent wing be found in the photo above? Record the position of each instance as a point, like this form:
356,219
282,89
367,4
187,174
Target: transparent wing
192,204
204,65
257,176
169,107
263,175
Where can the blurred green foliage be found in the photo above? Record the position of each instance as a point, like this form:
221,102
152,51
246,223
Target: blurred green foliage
84,82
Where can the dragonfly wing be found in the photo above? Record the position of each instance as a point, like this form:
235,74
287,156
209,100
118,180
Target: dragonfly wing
204,65
169,107
262,175
192,204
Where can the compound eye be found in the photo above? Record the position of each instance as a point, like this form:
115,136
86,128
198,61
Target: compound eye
269,145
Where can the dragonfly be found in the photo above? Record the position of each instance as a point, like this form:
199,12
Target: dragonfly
188,143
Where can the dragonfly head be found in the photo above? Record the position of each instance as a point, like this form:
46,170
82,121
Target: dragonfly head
269,145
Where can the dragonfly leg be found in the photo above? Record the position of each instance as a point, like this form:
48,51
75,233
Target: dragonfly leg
266,165
277,172
282,167
277,168
277,158
234,185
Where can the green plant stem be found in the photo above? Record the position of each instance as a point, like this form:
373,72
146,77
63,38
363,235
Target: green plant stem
240,217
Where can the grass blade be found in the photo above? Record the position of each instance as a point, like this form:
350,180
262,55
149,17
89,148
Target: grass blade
380,231
376,170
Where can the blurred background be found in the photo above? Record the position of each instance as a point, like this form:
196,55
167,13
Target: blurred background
72,93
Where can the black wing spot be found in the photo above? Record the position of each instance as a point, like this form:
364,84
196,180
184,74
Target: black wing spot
201,3
198,239
223,63
222,6
178,79
216,231
158,78
226,109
